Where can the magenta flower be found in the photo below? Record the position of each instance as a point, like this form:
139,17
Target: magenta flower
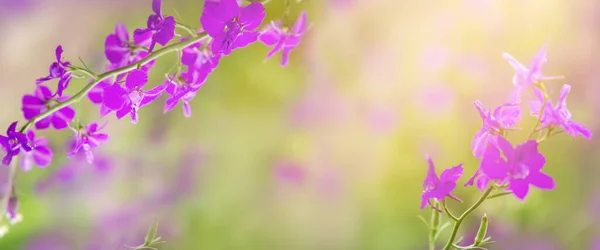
518,167
230,25
12,143
282,38
120,51
559,115
129,98
96,96
12,209
181,88
40,153
479,179
525,77
87,138
58,69
439,188
41,101
503,117
200,61
160,27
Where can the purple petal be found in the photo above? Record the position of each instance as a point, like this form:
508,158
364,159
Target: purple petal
114,97
43,93
519,187
574,129
228,9
285,55
43,123
136,79
156,7
480,143
452,174
252,15
562,100
541,180
493,165
431,178
123,112
152,94
12,128
42,156
58,53
166,32
244,40
300,25
4,142
187,109
529,156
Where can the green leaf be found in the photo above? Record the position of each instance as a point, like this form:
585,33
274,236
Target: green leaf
151,234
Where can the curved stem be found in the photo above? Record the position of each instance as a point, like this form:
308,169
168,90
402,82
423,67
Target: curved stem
445,207
12,169
85,71
539,118
155,54
186,28
462,217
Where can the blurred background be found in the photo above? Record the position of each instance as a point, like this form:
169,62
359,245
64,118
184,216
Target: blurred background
327,153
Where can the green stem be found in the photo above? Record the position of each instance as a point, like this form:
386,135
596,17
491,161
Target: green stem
155,54
435,224
445,207
462,217
186,28
498,195
85,71
539,118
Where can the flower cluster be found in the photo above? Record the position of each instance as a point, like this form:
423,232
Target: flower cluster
122,88
505,168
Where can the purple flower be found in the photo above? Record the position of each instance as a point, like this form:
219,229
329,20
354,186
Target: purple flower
160,27
40,154
12,208
200,61
503,117
96,96
525,77
129,98
12,143
439,188
88,137
181,88
120,51
230,25
518,167
558,115
58,69
282,38
41,101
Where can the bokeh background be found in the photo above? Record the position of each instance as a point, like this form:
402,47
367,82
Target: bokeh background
327,153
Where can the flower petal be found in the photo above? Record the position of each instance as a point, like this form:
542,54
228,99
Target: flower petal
252,15
541,180
136,79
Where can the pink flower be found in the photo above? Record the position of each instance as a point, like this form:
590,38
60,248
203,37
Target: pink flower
283,38
525,77
439,188
503,117
558,115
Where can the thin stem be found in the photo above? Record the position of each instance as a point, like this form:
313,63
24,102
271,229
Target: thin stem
186,28
85,71
462,217
539,118
445,207
155,54
435,223
12,169
498,195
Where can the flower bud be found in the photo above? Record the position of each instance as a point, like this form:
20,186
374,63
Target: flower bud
482,230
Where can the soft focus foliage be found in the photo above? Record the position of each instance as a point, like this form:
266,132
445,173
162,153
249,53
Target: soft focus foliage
326,153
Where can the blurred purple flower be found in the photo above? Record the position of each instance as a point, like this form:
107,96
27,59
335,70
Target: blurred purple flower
41,101
40,153
69,171
558,115
503,117
289,172
282,38
519,167
439,188
200,61
12,143
120,51
160,27
128,99
87,138
181,89
58,69
525,77
230,25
